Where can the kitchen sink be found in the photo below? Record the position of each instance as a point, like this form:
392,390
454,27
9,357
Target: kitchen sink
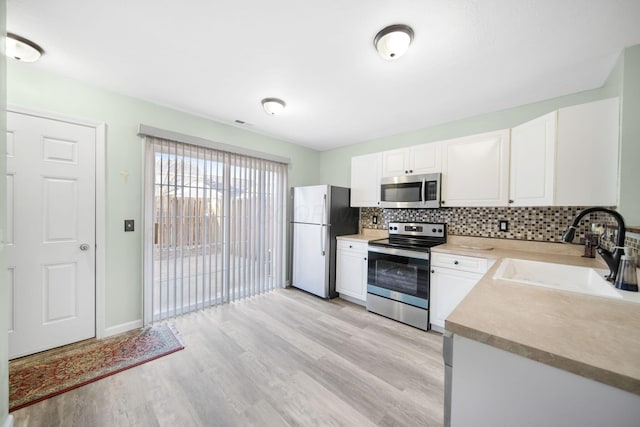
561,277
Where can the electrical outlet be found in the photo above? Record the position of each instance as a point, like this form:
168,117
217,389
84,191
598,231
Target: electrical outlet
128,225
375,219
504,225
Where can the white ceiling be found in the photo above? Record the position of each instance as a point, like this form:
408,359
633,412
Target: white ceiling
218,59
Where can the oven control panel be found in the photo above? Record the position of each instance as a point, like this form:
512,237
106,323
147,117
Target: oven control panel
422,229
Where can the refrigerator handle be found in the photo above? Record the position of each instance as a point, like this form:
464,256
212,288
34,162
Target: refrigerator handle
324,221
324,209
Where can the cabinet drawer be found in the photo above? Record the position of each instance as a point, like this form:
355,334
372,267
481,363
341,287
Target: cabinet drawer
349,245
460,262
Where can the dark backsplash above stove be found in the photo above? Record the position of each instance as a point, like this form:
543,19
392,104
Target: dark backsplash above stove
544,224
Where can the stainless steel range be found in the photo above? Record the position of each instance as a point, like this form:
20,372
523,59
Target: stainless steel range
398,271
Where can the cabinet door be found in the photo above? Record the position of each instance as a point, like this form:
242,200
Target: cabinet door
425,158
351,274
365,180
395,162
587,154
475,170
448,288
533,146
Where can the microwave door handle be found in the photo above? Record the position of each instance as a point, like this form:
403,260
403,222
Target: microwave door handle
422,197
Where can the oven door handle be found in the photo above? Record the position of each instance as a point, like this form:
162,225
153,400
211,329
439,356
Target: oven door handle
423,199
399,252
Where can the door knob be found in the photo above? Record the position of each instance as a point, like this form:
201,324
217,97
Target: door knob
84,247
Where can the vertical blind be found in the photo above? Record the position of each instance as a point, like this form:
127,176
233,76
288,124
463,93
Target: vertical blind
218,227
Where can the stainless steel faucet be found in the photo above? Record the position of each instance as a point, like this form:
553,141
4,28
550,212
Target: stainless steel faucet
611,258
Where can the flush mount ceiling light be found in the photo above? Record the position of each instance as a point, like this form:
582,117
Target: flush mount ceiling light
273,106
393,41
22,49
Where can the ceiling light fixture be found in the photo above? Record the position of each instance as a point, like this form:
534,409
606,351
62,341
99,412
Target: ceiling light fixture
22,49
393,41
273,106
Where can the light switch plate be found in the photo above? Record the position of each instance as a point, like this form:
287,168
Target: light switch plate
128,225
504,225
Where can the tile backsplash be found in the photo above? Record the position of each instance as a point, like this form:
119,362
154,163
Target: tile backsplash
544,224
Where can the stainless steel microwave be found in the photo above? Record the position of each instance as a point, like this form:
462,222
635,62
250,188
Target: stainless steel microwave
410,191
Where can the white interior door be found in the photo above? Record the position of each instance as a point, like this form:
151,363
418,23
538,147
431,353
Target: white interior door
50,232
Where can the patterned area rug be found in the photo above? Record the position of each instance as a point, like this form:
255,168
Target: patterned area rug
44,375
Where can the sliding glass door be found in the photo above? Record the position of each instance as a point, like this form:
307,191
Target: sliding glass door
214,225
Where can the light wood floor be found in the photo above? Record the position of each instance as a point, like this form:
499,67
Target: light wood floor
281,359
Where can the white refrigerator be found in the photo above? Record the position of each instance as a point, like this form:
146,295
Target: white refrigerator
319,214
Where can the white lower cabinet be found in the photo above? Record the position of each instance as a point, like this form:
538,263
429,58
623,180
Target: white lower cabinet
493,387
351,270
452,278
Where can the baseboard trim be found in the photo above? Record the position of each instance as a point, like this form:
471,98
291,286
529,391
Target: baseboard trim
123,327
9,421
353,300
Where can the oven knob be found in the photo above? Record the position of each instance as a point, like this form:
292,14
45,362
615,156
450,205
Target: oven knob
433,230
439,230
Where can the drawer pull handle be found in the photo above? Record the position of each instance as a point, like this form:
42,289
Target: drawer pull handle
456,262
350,246
433,271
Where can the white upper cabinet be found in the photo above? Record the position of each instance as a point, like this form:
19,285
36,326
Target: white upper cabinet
426,158
394,162
419,159
567,158
365,180
475,170
533,155
587,154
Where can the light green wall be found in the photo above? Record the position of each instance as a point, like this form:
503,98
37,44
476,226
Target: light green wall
624,81
630,137
4,289
40,91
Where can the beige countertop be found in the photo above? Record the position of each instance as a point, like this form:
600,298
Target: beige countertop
365,235
595,337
